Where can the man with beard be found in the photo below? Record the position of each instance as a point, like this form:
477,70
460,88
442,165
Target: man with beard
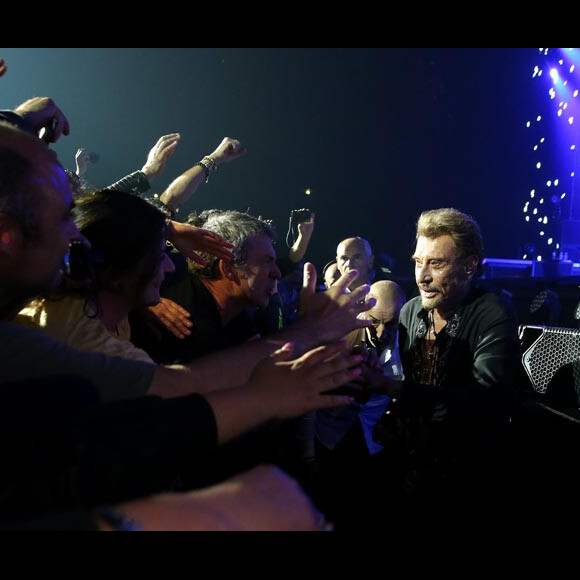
459,348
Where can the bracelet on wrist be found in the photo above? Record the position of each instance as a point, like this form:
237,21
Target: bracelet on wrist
209,166
166,209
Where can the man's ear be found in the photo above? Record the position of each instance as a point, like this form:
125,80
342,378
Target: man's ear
228,271
372,261
11,235
471,266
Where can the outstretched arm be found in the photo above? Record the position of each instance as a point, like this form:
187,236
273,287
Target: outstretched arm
159,155
264,499
140,181
181,190
327,318
305,231
284,390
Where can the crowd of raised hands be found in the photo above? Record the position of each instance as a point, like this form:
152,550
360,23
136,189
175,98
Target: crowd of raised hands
292,378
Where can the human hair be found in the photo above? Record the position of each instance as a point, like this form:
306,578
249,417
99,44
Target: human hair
235,227
125,233
462,228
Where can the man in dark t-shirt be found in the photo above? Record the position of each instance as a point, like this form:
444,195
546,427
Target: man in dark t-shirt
219,296
207,334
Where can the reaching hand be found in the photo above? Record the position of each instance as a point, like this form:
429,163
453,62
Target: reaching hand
228,150
296,387
373,378
161,153
331,315
42,112
173,317
262,500
306,229
188,240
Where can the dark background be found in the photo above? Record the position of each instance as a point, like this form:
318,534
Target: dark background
379,134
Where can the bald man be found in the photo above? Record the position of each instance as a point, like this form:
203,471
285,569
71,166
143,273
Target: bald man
384,316
331,274
356,254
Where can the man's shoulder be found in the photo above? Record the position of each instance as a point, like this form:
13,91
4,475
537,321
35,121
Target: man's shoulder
488,314
30,354
488,304
411,308
28,343
18,330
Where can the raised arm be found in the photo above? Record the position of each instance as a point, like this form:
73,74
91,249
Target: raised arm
181,190
139,182
305,231
159,155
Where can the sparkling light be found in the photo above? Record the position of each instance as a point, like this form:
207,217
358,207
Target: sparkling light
556,166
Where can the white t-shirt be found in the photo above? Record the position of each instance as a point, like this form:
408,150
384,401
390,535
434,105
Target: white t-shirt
66,320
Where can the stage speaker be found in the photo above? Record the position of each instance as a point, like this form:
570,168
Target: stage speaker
547,350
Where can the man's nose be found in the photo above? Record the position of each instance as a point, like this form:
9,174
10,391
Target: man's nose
424,274
380,331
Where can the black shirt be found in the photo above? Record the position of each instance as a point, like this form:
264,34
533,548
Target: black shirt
465,414
478,355
208,333
63,450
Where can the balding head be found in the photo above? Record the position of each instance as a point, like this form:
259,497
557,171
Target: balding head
36,225
356,254
388,292
331,274
25,161
385,315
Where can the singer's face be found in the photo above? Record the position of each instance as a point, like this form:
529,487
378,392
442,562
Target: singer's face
440,273
259,275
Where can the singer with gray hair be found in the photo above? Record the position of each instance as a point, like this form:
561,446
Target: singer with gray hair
459,348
